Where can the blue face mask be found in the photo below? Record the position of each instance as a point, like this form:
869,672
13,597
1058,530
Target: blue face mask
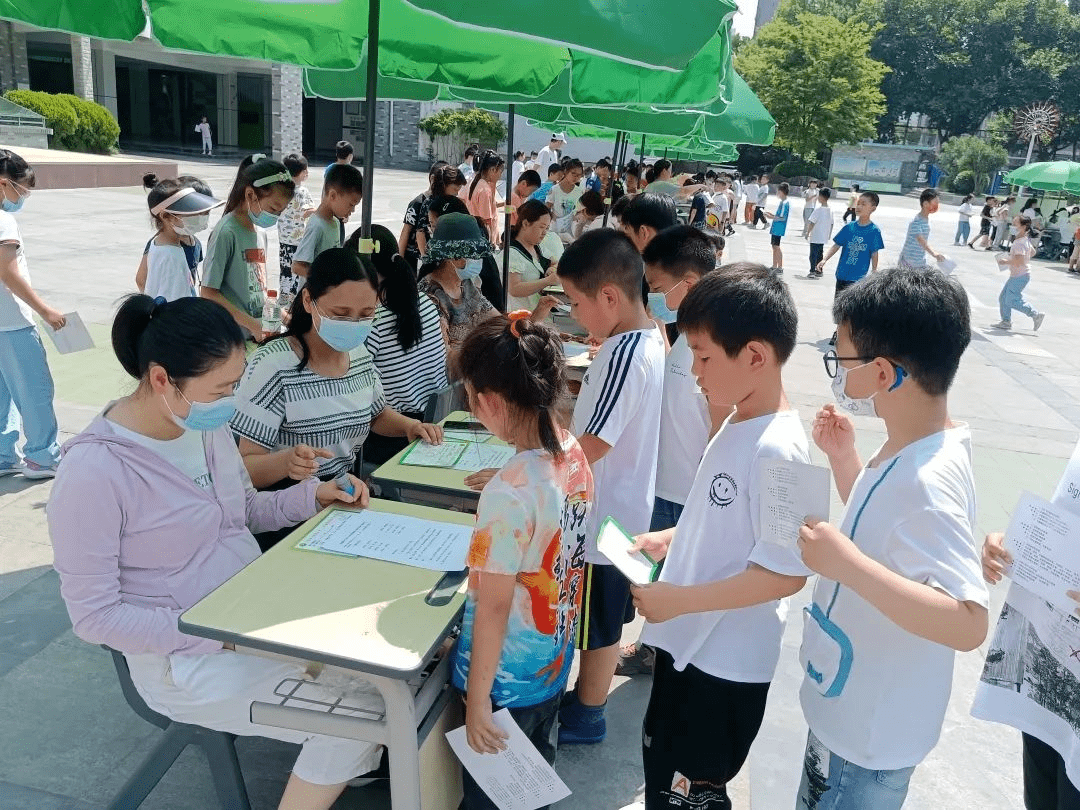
470,270
205,416
343,336
12,207
264,219
659,308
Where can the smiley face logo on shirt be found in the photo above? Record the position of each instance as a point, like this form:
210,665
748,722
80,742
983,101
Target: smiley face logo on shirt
723,490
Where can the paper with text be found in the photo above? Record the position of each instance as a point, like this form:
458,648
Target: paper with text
518,778
615,544
74,337
394,538
790,492
422,454
459,435
479,456
1046,557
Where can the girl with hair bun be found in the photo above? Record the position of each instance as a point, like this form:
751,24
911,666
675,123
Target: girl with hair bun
483,194
234,273
152,510
25,380
526,560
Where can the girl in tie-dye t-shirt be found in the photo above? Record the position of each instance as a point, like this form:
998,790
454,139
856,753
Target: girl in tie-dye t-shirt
527,555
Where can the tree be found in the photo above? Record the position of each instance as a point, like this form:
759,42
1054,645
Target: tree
452,128
969,154
815,76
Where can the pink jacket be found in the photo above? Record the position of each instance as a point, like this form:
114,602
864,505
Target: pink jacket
137,543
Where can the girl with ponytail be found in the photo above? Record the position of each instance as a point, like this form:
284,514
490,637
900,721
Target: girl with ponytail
526,560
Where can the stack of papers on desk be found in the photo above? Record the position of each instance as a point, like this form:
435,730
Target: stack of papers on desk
458,455
394,538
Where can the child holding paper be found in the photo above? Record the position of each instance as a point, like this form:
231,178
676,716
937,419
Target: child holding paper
715,617
527,557
900,586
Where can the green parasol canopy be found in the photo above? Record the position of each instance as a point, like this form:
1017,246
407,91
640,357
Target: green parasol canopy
1056,175
642,31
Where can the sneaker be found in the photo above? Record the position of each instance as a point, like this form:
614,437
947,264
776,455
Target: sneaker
832,340
635,659
36,471
11,468
1002,325
580,725
971,245
1038,319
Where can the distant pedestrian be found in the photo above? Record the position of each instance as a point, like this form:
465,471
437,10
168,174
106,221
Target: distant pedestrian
343,154
917,243
291,225
762,199
963,223
750,191
779,226
203,128
1018,265
26,385
853,201
821,225
550,153
468,166
517,167
1003,228
810,195
986,222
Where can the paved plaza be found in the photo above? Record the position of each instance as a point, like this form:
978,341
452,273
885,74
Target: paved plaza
70,741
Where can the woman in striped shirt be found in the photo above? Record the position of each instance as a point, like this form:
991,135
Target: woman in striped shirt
309,397
406,342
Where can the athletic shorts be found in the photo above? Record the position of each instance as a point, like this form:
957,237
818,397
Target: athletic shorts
605,607
696,736
774,240
984,227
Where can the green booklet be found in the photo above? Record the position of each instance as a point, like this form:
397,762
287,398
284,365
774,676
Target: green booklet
615,543
422,454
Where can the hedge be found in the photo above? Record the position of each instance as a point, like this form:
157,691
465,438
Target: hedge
796,167
78,125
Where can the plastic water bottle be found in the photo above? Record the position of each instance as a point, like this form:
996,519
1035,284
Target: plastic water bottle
271,319
285,302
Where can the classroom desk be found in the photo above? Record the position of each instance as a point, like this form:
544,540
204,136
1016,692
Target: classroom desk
432,486
364,616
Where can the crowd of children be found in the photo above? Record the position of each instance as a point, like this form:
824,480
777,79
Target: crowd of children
682,403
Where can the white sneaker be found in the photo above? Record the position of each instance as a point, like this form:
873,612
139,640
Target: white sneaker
37,472
1002,325
14,468
1038,319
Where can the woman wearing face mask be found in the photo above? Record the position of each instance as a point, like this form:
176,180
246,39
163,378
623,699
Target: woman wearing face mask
310,396
179,210
234,274
490,281
152,510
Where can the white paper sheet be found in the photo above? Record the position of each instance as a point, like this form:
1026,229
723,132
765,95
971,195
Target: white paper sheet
479,435
518,778
573,349
1046,557
790,493
615,544
395,538
422,454
74,337
482,456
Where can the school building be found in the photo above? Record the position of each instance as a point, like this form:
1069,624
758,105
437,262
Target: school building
158,96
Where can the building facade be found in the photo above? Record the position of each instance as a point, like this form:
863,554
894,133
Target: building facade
158,96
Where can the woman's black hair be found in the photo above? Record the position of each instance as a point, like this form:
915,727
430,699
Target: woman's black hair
149,180
489,160
446,176
161,191
397,284
592,203
13,167
330,268
527,369
1025,221
187,337
252,170
528,212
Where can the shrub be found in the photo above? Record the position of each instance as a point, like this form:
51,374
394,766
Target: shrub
77,124
963,183
799,168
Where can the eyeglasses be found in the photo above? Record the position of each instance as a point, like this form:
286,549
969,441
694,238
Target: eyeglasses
832,362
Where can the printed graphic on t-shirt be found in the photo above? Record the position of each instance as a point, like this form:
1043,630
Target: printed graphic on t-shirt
256,265
204,481
723,490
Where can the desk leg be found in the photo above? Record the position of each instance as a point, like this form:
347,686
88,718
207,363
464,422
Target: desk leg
401,737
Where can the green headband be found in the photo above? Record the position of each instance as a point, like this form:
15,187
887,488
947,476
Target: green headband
280,177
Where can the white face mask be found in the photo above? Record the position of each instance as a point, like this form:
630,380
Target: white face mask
189,226
856,407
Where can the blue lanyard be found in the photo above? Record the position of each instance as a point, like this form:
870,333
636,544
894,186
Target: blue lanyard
855,524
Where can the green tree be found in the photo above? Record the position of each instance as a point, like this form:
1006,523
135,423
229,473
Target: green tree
969,154
815,76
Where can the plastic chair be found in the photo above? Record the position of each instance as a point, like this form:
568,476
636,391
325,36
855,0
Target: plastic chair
444,402
219,747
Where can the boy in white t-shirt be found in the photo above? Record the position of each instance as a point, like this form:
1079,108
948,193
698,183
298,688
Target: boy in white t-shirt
821,225
900,586
715,615
617,423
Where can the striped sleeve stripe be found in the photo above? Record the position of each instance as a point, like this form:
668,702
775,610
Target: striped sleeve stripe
617,370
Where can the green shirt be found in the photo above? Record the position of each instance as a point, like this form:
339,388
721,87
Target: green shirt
319,235
235,265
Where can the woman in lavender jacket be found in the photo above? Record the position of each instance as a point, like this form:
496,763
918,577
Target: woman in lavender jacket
152,509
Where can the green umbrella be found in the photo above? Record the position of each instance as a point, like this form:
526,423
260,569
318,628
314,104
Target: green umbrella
106,19
641,31
1056,175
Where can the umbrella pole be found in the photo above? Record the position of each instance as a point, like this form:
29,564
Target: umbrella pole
507,207
641,154
1027,160
614,165
369,122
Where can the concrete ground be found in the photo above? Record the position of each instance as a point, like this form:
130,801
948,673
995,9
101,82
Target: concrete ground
70,741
